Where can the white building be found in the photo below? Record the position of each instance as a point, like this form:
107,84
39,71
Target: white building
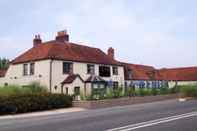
65,67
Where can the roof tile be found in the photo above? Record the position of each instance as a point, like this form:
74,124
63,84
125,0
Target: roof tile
65,51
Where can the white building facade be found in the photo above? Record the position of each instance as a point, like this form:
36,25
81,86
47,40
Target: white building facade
62,67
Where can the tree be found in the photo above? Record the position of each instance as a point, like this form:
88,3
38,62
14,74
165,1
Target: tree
4,63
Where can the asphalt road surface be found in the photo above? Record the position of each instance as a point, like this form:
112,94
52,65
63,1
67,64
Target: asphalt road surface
168,115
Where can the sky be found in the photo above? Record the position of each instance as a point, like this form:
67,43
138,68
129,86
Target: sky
160,33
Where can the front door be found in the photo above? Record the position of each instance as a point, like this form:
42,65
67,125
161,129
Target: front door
77,93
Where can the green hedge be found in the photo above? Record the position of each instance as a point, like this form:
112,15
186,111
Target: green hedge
19,90
33,102
188,91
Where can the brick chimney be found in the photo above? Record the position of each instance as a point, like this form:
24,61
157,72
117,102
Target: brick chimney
110,52
62,36
37,40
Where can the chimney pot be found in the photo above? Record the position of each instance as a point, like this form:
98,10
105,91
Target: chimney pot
111,52
62,36
37,40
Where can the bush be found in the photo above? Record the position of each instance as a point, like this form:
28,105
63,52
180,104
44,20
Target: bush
118,92
33,102
154,91
37,88
164,91
130,92
174,90
189,90
143,92
110,94
18,90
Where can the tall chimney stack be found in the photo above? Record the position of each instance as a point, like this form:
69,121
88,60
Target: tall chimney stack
62,36
37,40
110,52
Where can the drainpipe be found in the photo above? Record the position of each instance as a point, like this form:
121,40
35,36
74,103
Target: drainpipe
50,75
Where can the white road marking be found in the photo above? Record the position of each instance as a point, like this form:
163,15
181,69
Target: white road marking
153,122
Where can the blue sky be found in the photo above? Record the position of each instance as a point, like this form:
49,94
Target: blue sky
161,33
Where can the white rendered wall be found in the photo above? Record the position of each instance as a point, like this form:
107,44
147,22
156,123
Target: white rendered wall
81,69
14,75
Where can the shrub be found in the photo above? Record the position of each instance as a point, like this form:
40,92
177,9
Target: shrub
118,92
18,90
164,91
33,102
174,90
35,87
189,90
130,92
142,92
11,90
154,91
109,94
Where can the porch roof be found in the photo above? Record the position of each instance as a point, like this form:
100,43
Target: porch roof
94,78
71,78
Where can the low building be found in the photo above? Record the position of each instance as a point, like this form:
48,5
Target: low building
179,76
141,76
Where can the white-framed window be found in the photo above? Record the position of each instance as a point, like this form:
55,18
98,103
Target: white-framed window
25,69
32,69
90,69
104,71
67,67
115,70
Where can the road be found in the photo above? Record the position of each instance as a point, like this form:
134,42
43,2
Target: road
168,115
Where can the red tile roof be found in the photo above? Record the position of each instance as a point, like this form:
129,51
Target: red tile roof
65,51
179,74
139,72
71,78
3,72
143,72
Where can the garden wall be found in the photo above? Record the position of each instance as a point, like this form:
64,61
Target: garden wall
122,101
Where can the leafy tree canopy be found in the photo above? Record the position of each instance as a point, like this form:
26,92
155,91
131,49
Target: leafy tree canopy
4,63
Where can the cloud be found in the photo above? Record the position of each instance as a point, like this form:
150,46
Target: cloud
150,32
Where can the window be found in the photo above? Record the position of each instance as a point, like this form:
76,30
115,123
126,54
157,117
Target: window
66,90
67,68
115,70
90,69
25,69
32,68
104,71
99,90
55,87
77,91
115,85
129,73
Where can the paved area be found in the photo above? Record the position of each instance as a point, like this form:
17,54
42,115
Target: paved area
170,115
43,113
